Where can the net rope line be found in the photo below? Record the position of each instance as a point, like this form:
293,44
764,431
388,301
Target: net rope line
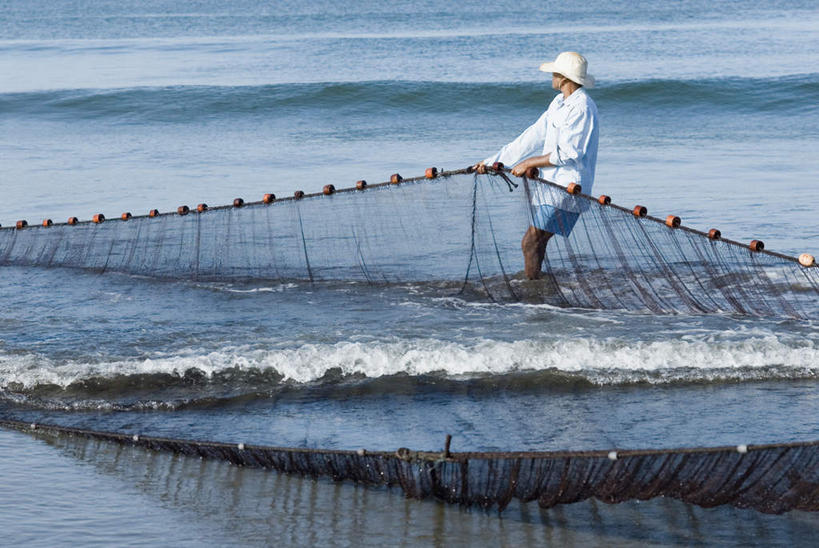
769,478
457,227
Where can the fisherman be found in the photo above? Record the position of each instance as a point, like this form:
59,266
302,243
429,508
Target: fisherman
562,144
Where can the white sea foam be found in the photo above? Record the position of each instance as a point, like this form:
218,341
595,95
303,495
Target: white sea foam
602,361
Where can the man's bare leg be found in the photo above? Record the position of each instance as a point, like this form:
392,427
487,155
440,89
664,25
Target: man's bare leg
534,250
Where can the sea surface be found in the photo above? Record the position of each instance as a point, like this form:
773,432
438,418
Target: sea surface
709,110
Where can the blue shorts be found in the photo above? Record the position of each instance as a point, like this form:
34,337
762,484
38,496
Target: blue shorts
556,221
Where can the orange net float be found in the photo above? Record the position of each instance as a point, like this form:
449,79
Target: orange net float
98,218
125,216
47,222
604,200
431,172
639,211
714,234
498,166
806,259
268,198
183,210
756,245
361,185
574,188
328,189
673,221
73,220
201,208
153,213
395,178
21,224
238,202
299,194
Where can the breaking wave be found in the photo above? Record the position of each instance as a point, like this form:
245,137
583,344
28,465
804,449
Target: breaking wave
396,365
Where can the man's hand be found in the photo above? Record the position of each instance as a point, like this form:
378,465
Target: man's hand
521,168
480,168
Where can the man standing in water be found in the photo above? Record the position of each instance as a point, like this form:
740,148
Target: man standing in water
562,143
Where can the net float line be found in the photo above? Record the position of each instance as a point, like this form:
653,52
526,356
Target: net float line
460,230
431,173
641,211
770,478
434,173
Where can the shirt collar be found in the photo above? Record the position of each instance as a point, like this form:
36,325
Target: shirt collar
571,99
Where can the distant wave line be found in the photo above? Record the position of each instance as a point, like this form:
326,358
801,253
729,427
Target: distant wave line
795,95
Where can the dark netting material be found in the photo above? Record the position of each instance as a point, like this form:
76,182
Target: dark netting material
457,231
768,478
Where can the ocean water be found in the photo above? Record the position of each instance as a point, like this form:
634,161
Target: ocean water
707,111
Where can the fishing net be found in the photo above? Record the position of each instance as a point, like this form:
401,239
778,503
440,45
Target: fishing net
454,231
767,478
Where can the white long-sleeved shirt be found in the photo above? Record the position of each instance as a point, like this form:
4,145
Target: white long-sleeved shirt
568,132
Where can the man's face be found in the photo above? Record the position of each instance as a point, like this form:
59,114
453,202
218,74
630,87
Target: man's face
557,79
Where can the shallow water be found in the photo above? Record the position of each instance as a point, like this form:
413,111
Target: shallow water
146,498
708,112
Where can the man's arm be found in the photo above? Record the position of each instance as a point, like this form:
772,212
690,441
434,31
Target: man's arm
574,138
536,161
570,147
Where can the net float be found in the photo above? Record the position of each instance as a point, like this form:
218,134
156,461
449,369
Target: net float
395,178
639,211
299,194
498,166
756,245
604,200
201,208
673,221
361,185
268,198
21,224
153,213
183,210
73,220
714,234
431,172
238,202
125,216
328,189
574,188
806,259
99,218
47,222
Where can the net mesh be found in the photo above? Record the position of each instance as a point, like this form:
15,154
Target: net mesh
457,232
767,478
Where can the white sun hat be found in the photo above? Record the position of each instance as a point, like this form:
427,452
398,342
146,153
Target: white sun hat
572,65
